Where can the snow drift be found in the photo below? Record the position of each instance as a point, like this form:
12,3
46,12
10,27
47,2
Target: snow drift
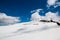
30,31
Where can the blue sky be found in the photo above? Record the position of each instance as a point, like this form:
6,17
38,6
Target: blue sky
23,8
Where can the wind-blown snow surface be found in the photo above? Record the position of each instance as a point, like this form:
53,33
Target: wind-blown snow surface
30,31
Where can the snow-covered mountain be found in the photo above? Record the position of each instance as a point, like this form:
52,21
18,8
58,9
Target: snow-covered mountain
38,28
30,31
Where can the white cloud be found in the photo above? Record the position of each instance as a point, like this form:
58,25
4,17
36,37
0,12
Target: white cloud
51,2
6,20
57,4
37,10
54,3
35,16
48,16
53,16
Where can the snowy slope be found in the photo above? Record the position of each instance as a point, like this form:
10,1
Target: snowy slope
30,31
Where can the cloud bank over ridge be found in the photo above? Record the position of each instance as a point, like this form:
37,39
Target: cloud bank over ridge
48,16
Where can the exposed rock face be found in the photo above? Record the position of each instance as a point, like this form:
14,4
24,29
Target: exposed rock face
50,21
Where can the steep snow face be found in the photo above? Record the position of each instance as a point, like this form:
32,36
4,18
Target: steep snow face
30,31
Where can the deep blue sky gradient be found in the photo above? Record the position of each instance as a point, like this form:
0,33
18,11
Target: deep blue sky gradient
22,8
